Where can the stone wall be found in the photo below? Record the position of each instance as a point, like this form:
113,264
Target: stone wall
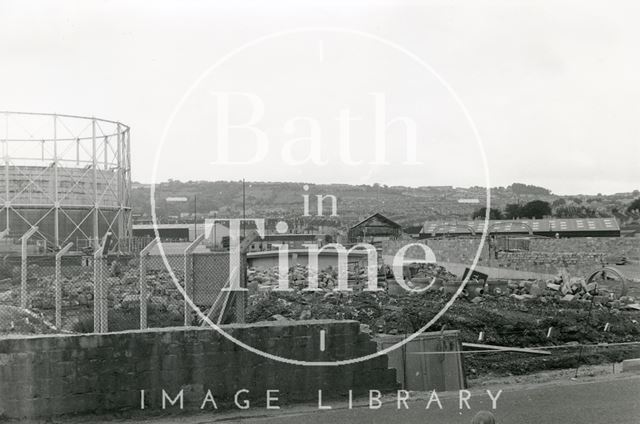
460,250
610,246
580,255
578,264
44,376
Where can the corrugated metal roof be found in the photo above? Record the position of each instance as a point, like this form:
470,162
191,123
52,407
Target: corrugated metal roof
523,225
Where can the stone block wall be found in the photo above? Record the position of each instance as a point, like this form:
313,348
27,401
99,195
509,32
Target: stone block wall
460,250
45,376
580,255
578,264
610,246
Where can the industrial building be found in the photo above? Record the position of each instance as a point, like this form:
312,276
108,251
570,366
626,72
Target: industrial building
168,232
68,176
563,228
375,228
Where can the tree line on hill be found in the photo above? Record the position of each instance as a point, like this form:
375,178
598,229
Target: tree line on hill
405,205
560,208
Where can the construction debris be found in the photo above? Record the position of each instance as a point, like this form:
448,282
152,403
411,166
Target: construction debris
506,348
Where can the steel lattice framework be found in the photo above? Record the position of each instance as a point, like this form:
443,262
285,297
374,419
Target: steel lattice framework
70,176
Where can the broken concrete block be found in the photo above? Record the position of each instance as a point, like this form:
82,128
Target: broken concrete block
536,289
568,298
600,300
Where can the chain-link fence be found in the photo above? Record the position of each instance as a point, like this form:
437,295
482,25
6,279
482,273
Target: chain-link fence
201,273
212,272
161,303
45,293
82,292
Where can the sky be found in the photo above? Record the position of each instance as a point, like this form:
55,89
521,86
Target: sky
546,91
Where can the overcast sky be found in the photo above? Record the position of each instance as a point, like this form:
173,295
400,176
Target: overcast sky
552,86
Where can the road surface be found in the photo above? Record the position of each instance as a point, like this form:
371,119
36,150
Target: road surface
614,401
609,400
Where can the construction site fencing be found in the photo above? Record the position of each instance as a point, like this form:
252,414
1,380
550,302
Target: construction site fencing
211,273
202,275
46,293
82,292
160,302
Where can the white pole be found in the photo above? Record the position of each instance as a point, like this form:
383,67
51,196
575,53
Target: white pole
56,185
188,267
142,282
100,304
23,275
58,284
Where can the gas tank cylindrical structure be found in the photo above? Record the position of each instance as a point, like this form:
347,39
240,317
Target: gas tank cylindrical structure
69,176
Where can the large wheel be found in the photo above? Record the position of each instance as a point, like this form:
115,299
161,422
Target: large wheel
619,290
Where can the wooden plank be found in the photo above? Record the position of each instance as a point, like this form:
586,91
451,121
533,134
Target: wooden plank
506,348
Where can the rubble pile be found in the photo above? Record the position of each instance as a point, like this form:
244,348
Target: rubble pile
260,279
14,320
368,307
563,289
78,288
418,272
161,290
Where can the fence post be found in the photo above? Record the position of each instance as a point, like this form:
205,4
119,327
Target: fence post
23,267
188,276
240,298
142,282
58,284
100,304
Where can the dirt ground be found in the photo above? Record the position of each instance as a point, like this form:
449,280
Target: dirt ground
502,320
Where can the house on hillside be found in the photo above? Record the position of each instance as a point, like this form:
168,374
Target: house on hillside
377,227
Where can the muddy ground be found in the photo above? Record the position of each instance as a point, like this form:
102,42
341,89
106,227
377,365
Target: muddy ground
504,321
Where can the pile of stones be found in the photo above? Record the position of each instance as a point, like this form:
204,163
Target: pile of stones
263,279
78,290
563,289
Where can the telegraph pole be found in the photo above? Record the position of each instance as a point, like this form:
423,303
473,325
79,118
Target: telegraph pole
244,211
195,216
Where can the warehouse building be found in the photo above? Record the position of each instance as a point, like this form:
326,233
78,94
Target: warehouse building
563,228
375,228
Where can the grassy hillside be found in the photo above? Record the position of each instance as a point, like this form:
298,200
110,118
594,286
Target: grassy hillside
407,205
